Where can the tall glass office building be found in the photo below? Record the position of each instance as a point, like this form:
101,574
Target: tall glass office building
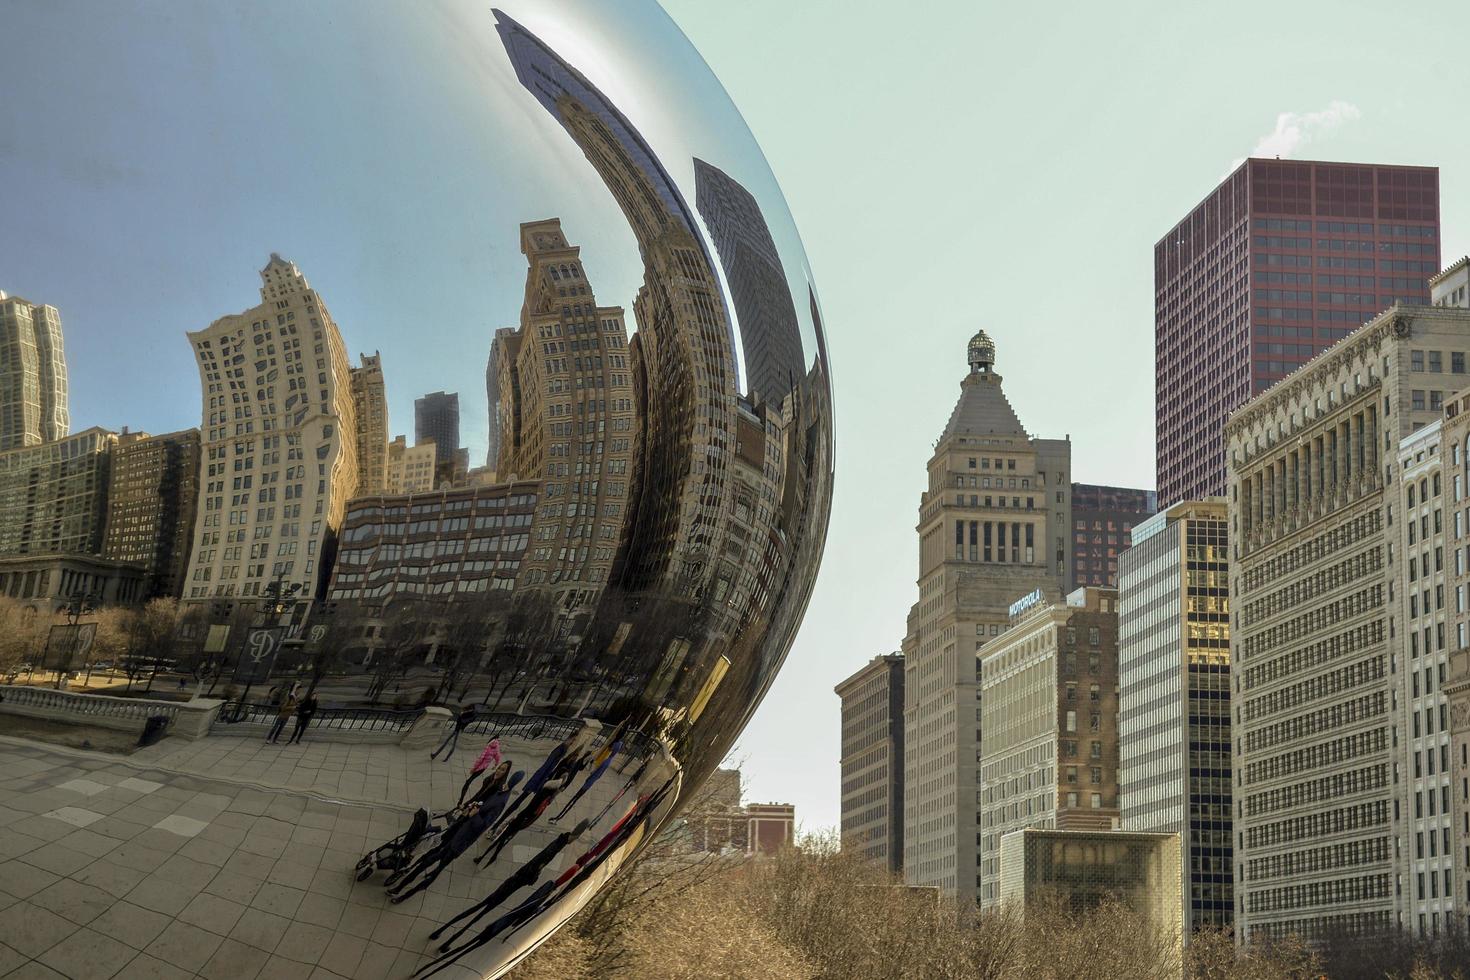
1174,696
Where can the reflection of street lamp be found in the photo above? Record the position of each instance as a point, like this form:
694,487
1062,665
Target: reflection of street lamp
275,600
78,605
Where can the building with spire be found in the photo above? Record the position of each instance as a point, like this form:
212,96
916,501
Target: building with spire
33,402
993,527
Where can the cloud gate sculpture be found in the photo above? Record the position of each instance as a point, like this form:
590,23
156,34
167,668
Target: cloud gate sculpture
384,705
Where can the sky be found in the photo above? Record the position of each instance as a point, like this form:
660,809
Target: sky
953,166
950,166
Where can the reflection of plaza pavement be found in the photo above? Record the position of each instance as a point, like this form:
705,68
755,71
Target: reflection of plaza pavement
229,857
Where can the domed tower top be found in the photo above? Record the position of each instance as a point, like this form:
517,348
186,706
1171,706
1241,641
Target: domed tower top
981,353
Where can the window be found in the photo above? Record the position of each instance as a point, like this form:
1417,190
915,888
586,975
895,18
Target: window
1094,693
1072,800
1416,361
1097,801
1435,364
1416,400
1096,750
1071,721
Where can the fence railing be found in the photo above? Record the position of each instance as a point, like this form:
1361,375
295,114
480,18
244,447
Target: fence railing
384,720
82,707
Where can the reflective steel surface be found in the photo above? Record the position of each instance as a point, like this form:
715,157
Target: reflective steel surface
576,615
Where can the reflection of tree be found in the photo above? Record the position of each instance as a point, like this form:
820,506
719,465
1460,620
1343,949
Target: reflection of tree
404,626
521,643
465,627
21,635
147,633
330,636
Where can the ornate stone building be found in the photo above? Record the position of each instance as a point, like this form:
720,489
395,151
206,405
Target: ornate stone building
993,526
1049,724
279,442
151,501
370,402
1322,633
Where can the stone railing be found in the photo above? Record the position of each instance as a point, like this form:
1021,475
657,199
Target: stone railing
191,719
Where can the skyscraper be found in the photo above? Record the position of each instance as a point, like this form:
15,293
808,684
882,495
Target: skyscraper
436,417
993,527
572,418
151,501
769,333
33,393
370,402
1102,519
279,442
1049,724
1174,697
1282,260
872,761
1323,639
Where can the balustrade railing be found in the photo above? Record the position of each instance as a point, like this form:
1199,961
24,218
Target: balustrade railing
83,706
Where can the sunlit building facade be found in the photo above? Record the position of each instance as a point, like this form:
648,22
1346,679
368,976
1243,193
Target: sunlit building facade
279,442
1174,697
370,404
53,495
33,385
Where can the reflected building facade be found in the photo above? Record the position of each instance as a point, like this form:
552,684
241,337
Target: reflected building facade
152,492
370,404
33,386
53,495
279,442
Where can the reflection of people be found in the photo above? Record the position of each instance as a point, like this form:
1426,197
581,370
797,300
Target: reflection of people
283,713
540,776
603,760
527,874
528,815
495,793
487,758
304,713
451,739
457,839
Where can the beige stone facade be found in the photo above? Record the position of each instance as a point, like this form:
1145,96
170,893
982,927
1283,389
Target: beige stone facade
1322,630
33,384
567,399
1455,684
370,402
1049,724
993,526
410,469
279,442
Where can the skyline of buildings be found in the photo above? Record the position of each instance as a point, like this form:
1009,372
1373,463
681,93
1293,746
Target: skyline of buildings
1281,261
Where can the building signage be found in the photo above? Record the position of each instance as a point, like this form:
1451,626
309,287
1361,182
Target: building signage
1033,598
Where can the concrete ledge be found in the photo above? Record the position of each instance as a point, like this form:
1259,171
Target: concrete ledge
96,710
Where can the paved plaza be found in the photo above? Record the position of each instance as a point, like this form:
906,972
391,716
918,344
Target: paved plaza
228,858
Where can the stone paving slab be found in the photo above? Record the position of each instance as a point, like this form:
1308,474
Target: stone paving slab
229,857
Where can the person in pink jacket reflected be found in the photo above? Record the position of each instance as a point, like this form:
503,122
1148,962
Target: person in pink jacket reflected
489,756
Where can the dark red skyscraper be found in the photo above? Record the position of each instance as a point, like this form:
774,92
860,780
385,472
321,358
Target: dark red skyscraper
1282,260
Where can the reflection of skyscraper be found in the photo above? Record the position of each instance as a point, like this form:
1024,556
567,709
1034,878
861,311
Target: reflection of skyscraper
371,403
573,417
436,417
683,364
152,494
769,333
503,386
33,403
279,441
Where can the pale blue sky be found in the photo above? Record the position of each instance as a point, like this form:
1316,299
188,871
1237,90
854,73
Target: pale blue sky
956,165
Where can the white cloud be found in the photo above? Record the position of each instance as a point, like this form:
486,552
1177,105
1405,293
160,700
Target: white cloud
1296,129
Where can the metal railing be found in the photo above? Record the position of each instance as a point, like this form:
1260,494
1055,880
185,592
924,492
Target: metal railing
83,706
384,720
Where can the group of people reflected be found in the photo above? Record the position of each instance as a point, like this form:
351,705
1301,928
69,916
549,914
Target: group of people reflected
497,804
